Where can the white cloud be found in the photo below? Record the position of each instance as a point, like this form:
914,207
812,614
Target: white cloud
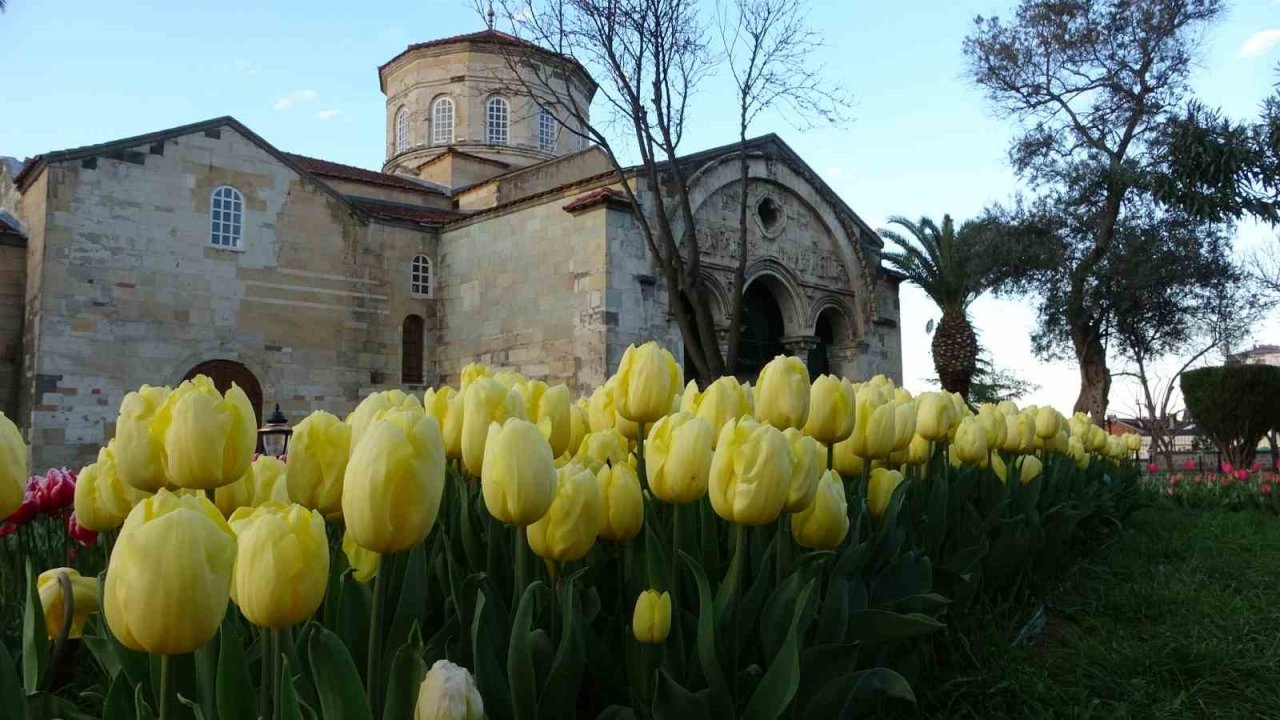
326,114
1259,43
296,97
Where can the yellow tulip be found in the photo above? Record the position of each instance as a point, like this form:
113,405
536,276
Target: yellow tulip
824,524
875,427
1132,442
1096,440
170,575
519,480
997,466
677,458
445,405
1020,432
651,622
1008,407
960,409
601,414
209,437
809,459
363,561
845,461
472,372
84,600
933,416
648,377
318,453
374,406
623,511
282,563
606,447
750,473
448,692
917,451
511,380
264,482
579,426
1030,468
548,407
485,401
831,401
1078,453
1047,421
566,532
723,400
393,484
139,449
970,445
993,421
14,467
103,500
880,489
904,424
782,393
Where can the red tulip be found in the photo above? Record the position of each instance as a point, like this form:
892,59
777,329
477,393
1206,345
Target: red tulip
1173,479
1227,467
78,533
1189,465
1255,467
1153,468
1242,474
1266,488
29,508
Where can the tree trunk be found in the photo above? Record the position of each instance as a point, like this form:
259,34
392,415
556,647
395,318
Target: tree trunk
955,352
1095,376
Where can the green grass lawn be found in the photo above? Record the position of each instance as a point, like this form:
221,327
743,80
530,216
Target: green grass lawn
1178,616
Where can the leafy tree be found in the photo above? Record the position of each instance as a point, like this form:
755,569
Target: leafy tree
1110,143
1235,405
947,265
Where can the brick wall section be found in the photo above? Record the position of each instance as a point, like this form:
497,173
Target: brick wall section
13,283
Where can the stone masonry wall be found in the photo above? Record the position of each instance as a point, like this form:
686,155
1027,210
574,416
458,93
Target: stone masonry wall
13,283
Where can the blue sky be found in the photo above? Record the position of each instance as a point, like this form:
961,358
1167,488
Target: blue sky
921,140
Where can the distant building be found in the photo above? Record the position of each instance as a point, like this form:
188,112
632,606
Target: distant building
1258,355
489,234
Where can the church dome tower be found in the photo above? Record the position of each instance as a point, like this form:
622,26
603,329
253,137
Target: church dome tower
457,113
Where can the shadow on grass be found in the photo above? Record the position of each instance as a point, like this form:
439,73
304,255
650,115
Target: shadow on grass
1179,617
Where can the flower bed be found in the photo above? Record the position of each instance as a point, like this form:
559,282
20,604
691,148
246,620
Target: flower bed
650,550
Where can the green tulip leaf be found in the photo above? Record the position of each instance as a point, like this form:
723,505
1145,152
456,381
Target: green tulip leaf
35,641
412,604
144,711
520,667
671,701
782,679
45,705
560,693
617,712
11,695
119,702
196,711
821,664
233,690
486,634
834,698
206,677
720,698
337,681
407,671
879,626
289,709
833,619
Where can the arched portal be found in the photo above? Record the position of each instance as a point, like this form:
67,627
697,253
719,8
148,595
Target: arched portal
830,331
762,330
225,372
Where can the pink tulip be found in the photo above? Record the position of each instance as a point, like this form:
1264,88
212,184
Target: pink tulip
1189,465
1153,468
1227,468
1266,488
1255,467
1173,480
1242,474
80,534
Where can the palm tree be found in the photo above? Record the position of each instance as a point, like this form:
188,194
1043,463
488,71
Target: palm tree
948,266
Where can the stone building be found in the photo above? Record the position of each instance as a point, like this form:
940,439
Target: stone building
490,234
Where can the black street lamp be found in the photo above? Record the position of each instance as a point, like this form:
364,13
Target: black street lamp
274,435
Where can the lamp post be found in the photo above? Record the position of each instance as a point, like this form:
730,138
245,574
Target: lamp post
274,435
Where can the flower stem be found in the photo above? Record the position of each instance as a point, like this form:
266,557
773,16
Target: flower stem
276,671
373,662
640,467
521,550
164,687
264,686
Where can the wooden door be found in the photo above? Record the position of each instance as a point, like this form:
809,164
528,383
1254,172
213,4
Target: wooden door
225,372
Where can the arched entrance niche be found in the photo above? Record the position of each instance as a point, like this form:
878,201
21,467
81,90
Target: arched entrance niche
762,330
832,335
225,372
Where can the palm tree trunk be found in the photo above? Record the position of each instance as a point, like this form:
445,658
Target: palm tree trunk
955,352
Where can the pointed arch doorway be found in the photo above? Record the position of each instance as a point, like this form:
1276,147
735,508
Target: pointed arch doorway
225,372
762,331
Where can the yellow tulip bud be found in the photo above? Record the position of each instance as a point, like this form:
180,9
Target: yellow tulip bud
1020,433
393,484
511,380
520,482
880,487
264,482
84,600
651,622
448,692
648,377
933,416
579,426
549,406
472,372
1030,468
845,461
103,500
170,575
445,405
14,467
318,453
824,524
904,424
750,473
831,401
1078,453
623,510
1095,440
993,421
566,532
376,405
997,466
677,458
970,445
139,450
917,451
209,437
1047,421
960,409
363,561
1007,407
875,427
809,459
723,400
282,563
1132,442
782,393
485,401
598,449
600,411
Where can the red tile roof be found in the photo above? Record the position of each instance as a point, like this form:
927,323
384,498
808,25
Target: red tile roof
402,212
326,168
604,195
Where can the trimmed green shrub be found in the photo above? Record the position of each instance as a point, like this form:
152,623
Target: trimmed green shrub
1236,405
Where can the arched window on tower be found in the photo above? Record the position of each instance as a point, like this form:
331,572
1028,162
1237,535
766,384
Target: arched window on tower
420,276
442,121
496,120
548,129
411,350
226,216
402,130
